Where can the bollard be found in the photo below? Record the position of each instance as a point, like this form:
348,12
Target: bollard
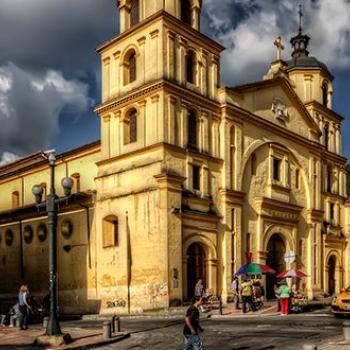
116,324
107,330
309,347
2,319
45,322
113,324
346,331
13,321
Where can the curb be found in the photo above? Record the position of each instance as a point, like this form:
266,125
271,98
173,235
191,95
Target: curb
97,344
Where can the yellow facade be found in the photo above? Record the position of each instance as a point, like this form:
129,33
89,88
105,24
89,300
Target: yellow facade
188,177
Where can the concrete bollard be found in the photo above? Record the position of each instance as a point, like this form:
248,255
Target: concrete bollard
13,321
346,331
107,330
116,324
309,347
45,322
2,319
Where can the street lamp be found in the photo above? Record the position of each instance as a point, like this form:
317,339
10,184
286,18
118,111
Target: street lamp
52,201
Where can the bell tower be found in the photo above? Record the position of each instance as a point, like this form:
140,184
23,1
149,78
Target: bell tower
132,12
160,131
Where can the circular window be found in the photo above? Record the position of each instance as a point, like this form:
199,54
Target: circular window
42,232
28,234
9,237
67,229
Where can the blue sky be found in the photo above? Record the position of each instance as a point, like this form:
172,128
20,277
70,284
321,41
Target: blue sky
50,72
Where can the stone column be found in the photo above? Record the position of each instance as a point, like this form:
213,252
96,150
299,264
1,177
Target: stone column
181,61
184,125
117,77
171,55
172,132
141,67
155,126
105,136
106,79
141,125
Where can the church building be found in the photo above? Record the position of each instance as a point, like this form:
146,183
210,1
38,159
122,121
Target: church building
189,178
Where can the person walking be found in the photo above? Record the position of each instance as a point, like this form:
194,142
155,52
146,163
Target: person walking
284,292
199,289
24,307
235,292
192,339
246,294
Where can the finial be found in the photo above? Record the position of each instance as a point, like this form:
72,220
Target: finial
301,15
280,48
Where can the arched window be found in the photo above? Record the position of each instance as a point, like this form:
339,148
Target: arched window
134,12
110,231
329,179
192,129
130,127
325,94
297,179
191,67
253,164
130,67
186,11
326,135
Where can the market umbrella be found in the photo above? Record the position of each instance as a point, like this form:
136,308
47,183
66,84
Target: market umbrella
292,273
254,269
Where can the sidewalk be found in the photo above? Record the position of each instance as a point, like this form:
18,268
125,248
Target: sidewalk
82,338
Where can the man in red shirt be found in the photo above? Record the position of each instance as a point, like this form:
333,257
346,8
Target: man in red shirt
192,327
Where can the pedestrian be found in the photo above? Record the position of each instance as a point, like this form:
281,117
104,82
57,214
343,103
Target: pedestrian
24,307
235,292
192,326
199,289
246,292
277,294
284,292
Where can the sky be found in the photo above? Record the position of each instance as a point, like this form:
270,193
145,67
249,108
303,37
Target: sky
50,71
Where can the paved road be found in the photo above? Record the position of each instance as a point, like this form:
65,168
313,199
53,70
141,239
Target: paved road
243,333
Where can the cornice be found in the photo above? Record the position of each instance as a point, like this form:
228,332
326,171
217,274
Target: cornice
325,110
158,85
191,32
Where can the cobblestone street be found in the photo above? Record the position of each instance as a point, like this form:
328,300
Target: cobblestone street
250,333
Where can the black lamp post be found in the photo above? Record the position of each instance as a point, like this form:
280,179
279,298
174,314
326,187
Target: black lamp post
52,201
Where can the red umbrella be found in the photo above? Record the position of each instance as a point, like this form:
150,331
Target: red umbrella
292,273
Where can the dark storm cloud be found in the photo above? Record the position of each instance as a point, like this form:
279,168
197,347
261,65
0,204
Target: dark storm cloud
48,65
55,34
30,107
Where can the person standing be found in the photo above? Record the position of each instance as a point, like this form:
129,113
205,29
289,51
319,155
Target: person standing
192,327
235,292
199,289
277,294
247,294
284,292
24,307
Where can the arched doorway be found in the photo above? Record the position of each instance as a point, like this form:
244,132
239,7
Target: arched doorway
196,268
276,249
332,263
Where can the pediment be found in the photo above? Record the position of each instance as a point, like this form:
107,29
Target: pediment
276,102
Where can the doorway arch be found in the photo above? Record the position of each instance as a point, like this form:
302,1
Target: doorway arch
332,263
276,248
196,267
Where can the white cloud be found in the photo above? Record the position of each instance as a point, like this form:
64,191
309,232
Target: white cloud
249,36
30,106
8,157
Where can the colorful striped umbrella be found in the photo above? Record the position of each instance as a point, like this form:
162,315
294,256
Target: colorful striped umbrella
292,273
254,269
